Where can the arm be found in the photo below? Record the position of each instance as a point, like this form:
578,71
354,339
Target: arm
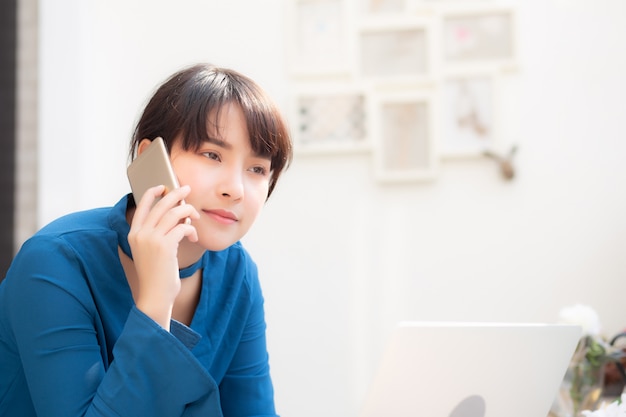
57,335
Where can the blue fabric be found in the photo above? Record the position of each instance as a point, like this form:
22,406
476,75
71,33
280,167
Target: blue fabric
72,343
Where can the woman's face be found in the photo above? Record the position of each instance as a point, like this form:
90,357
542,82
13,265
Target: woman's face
229,182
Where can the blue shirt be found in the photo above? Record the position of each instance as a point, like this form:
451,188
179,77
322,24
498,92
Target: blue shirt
72,342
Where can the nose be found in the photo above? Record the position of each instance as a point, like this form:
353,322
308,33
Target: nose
231,185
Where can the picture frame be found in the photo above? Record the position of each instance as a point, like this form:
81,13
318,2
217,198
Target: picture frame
469,102
330,118
383,7
418,4
320,40
476,37
395,51
405,133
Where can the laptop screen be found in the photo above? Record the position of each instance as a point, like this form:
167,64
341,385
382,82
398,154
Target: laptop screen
451,369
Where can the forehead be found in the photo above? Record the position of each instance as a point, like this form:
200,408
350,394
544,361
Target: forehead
227,123
226,116
228,128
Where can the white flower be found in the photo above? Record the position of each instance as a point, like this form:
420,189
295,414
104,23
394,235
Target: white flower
615,409
582,315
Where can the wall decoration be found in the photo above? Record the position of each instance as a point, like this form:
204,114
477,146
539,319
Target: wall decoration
330,120
382,6
319,39
410,81
404,132
478,36
504,161
468,115
400,52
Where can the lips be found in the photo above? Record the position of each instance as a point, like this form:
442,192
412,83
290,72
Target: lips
222,216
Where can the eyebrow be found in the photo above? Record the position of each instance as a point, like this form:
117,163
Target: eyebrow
223,144
219,142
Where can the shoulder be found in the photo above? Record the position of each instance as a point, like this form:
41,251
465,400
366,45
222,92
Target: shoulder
63,253
65,242
88,227
72,233
94,220
81,220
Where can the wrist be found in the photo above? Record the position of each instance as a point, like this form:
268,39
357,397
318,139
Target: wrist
158,312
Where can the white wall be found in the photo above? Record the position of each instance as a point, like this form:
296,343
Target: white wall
343,257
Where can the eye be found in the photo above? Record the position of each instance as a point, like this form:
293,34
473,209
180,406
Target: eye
261,170
212,155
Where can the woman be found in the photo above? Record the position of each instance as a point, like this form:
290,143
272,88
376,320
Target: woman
130,310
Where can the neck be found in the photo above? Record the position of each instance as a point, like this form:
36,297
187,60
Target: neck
188,253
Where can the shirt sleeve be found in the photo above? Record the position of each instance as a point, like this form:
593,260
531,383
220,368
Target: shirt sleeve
52,316
248,375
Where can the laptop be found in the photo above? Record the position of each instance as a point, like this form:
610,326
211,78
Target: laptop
451,369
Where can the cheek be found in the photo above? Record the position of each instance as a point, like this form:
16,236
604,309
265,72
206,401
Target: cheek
259,190
187,175
255,198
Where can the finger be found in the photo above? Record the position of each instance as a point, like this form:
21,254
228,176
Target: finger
172,199
145,204
176,195
182,230
175,215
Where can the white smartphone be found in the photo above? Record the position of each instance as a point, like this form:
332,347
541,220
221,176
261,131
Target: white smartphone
151,168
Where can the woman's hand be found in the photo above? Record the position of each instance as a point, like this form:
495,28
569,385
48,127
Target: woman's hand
154,236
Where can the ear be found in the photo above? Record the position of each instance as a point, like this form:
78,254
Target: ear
143,145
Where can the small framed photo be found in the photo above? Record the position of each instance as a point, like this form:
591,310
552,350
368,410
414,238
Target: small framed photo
382,7
478,36
448,3
468,114
405,132
399,52
319,36
330,119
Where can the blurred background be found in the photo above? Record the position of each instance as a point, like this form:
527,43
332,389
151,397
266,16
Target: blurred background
343,256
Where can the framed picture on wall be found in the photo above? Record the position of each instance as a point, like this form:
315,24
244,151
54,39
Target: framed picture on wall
468,114
320,37
330,119
478,36
383,7
396,52
404,132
